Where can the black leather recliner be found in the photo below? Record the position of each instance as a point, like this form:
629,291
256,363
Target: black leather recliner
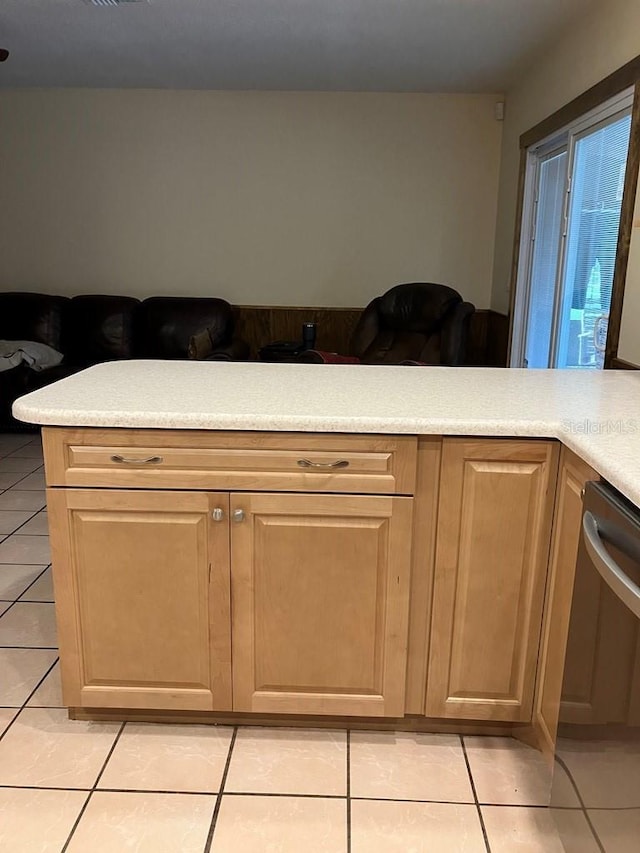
411,323
91,329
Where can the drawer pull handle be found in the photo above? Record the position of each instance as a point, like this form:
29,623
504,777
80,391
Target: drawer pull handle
307,463
124,460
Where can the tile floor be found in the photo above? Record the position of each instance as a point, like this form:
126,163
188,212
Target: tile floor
102,787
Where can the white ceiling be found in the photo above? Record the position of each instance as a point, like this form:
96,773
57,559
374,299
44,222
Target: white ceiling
362,45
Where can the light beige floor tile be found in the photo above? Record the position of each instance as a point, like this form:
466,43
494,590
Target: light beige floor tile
25,549
144,823
388,827
10,443
49,694
33,481
10,478
20,465
29,624
6,715
563,793
168,758
37,526
20,671
618,829
607,773
28,451
280,825
15,499
42,589
37,821
406,766
45,748
14,579
514,829
574,831
10,519
508,772
289,761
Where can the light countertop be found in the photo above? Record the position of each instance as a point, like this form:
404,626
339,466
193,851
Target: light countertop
596,414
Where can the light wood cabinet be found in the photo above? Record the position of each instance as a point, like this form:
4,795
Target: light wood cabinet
494,527
144,577
230,577
143,598
320,603
567,526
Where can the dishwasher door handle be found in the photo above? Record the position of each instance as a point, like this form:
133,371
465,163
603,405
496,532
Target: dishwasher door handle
610,572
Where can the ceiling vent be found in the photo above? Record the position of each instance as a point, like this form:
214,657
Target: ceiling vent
114,2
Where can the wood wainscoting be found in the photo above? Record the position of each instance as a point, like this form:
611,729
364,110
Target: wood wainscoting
259,325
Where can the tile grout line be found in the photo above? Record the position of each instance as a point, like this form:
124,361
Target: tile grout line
41,788
29,697
596,837
17,482
348,791
7,536
6,539
35,514
30,438
475,795
223,782
24,592
19,600
93,789
287,796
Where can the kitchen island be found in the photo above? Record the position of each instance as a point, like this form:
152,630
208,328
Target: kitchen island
286,542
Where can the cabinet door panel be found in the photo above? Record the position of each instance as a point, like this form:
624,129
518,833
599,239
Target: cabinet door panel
320,604
493,535
142,590
567,526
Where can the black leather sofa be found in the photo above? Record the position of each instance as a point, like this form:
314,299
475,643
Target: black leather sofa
92,329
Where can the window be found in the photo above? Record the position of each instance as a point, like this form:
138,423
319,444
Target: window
571,218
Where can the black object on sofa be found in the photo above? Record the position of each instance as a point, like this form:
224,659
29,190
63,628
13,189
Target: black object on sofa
92,329
417,322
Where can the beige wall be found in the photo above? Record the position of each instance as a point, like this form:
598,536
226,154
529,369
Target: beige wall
603,40
262,198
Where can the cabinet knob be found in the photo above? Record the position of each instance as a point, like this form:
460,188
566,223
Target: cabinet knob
217,514
238,515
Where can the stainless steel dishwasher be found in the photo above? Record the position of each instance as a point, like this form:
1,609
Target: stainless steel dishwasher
598,807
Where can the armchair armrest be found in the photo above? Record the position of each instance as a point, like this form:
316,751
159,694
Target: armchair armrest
455,331
236,350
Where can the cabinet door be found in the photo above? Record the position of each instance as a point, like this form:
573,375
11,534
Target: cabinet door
567,526
320,603
494,525
142,598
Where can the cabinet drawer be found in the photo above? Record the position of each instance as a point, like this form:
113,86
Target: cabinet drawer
219,460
